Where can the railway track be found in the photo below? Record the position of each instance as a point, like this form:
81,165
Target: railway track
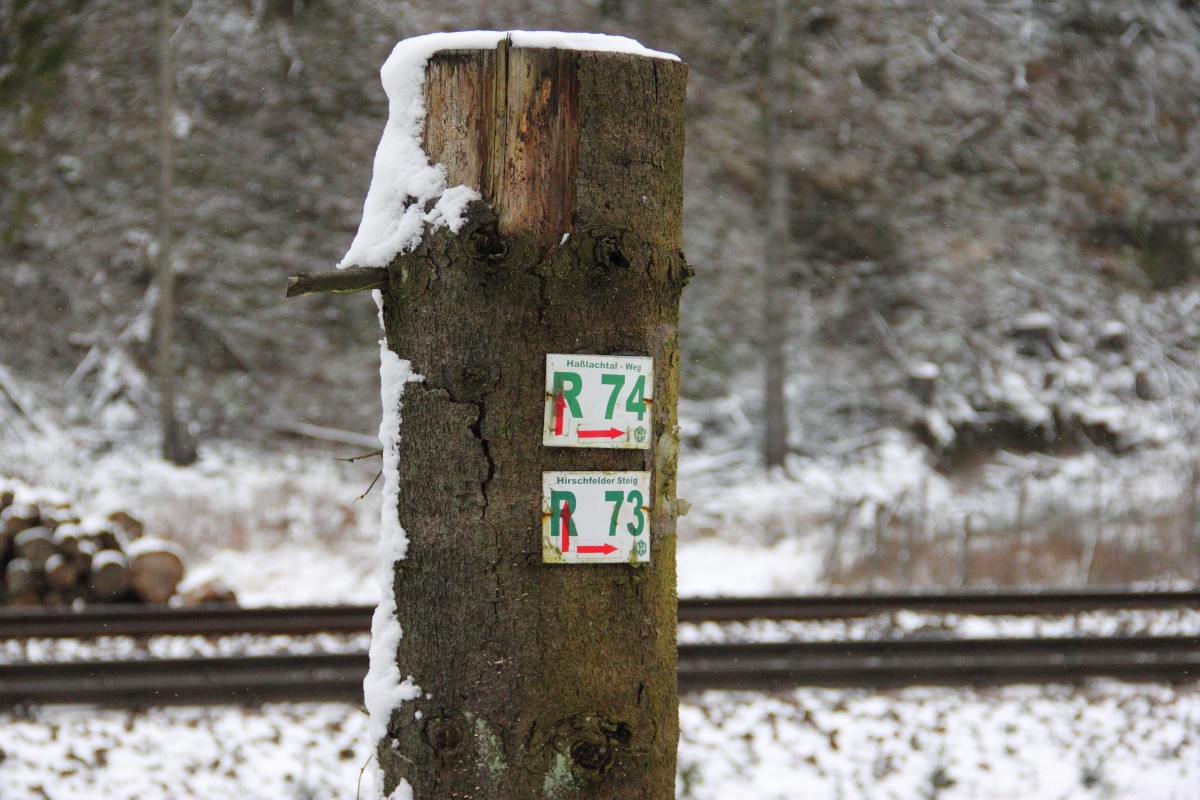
219,620
874,664
753,666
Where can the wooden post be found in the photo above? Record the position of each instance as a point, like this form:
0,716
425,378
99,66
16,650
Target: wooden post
537,680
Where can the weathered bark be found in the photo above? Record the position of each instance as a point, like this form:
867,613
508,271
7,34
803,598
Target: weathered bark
776,263
538,681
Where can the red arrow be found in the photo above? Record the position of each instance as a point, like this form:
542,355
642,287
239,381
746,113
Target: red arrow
611,433
560,407
602,549
566,527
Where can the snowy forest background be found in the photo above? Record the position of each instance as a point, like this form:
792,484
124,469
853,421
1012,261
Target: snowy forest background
992,355
992,269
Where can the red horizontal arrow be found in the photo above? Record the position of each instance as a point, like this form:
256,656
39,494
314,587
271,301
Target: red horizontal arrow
609,433
602,549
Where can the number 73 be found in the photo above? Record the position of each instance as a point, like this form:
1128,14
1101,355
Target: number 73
635,498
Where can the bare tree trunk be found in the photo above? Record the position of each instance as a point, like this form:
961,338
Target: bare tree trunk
537,680
177,445
918,526
1020,536
1190,530
966,533
776,252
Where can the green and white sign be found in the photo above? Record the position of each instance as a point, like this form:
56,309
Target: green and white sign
595,517
598,401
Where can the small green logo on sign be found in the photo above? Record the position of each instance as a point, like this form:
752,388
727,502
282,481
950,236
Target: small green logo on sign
639,434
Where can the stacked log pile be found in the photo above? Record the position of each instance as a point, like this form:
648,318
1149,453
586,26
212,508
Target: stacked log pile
51,556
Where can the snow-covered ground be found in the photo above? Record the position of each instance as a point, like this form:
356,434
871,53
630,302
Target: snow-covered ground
286,528
1104,741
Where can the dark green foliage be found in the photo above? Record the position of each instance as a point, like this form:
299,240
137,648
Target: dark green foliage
35,37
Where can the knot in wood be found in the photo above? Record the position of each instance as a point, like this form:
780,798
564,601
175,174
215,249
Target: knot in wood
487,243
609,255
595,741
620,733
443,734
591,755
482,232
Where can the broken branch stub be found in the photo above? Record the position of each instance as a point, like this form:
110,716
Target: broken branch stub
340,281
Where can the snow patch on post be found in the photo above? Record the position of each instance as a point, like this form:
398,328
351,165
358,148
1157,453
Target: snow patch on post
383,688
409,193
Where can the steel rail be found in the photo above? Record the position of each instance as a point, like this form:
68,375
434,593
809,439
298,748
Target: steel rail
207,620
982,603
242,680
939,662
217,620
867,664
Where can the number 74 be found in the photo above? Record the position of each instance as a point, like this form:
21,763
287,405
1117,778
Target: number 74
634,404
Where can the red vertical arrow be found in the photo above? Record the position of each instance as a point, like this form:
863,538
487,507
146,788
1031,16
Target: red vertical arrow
566,527
560,408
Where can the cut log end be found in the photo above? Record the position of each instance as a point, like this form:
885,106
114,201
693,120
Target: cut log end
50,557
109,579
155,574
62,572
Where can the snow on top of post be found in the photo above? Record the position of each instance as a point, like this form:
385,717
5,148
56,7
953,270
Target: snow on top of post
404,182
596,42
